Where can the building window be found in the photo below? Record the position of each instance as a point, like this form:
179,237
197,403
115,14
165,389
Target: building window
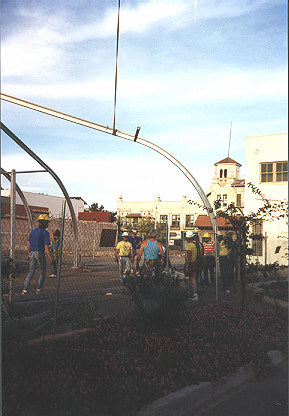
225,200
225,173
266,172
257,241
221,173
239,200
274,172
219,197
189,221
163,219
281,171
175,221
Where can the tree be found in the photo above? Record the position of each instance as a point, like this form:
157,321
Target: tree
147,224
242,225
95,208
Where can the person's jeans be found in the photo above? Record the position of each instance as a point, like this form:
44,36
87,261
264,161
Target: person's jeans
225,272
209,266
36,257
54,267
124,264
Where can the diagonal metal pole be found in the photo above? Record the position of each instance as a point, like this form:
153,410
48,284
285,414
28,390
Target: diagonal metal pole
22,197
57,179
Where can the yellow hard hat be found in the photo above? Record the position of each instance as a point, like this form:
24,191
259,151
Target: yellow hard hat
43,217
206,235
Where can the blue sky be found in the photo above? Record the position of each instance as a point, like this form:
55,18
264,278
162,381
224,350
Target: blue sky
186,71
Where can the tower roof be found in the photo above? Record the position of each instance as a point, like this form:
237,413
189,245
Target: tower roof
228,160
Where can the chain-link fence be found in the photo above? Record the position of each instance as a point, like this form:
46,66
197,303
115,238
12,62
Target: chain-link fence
93,275
88,277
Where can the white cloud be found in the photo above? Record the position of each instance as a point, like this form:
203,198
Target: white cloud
103,180
51,60
170,89
39,47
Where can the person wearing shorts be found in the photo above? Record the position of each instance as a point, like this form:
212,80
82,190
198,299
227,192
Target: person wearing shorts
192,262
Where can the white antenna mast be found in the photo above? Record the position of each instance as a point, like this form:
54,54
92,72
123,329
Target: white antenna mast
230,140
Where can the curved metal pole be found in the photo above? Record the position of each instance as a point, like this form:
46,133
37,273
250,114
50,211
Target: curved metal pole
126,136
120,134
53,174
22,197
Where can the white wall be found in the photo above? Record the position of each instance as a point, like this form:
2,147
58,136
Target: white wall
262,149
157,208
53,203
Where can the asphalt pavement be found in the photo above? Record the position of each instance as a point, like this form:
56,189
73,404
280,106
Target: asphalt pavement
261,397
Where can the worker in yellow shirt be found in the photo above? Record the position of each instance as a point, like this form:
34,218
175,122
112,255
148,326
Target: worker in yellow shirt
193,261
124,256
224,260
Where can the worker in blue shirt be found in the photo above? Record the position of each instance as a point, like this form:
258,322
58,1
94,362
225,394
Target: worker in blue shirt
150,249
135,242
37,245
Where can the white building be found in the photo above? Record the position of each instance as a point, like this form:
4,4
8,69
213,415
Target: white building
267,168
181,215
227,184
53,203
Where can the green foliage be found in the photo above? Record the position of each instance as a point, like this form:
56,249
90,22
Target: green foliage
242,226
95,208
84,314
158,296
148,224
269,211
271,268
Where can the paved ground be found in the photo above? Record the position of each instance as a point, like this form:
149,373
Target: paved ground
101,283
264,397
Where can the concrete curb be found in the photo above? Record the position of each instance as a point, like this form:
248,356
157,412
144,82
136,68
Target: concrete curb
57,337
275,302
183,402
267,299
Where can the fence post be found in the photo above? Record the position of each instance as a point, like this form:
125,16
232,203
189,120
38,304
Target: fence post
59,265
216,262
94,238
167,248
12,234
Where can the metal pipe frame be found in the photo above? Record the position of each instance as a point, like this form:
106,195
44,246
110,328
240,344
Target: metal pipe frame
22,197
53,174
130,137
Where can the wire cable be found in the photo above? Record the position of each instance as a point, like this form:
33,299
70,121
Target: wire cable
116,59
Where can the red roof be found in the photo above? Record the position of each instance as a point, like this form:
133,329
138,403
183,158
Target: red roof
20,209
133,216
228,160
203,221
238,182
99,216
